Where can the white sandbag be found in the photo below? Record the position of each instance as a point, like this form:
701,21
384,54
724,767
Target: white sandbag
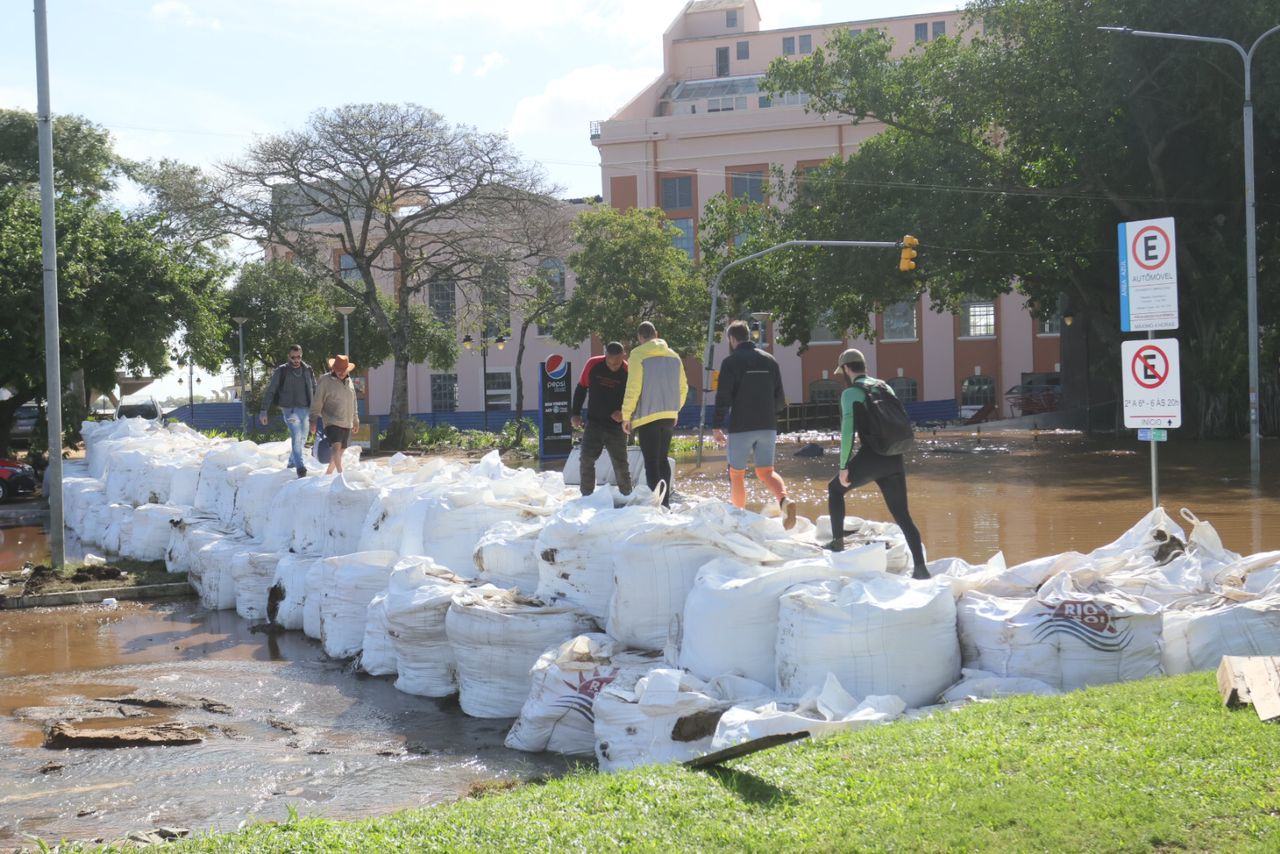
1065,637
319,585
185,482
156,483
188,536
124,474
419,592
287,596
1196,638
346,506
210,572
981,685
497,637
216,490
446,526
118,520
861,532
573,549
377,651
78,494
258,492
149,531
604,467
277,533
357,578
97,516
506,556
253,573
558,716
730,622
825,710
668,716
876,635
383,526
311,497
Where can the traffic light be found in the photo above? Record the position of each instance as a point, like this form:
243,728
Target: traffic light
905,262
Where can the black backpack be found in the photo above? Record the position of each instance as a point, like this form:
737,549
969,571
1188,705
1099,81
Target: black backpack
885,427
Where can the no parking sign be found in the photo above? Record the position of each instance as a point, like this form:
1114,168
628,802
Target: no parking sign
1152,386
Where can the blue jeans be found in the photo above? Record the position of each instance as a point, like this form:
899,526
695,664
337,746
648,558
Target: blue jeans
296,419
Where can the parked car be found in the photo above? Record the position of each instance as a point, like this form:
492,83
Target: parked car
25,421
16,479
139,406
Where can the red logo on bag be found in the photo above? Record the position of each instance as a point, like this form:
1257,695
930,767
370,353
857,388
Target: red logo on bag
590,684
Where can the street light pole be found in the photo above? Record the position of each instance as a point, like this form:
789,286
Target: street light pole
345,311
244,411
1250,226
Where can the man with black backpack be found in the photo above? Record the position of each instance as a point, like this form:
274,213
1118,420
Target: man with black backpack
869,407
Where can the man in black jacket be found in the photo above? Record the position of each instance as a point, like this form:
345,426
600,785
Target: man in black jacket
750,391
292,387
602,384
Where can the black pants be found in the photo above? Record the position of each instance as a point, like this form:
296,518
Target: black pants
890,475
655,444
597,438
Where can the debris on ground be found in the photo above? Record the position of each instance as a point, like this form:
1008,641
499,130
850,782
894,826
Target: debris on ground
1251,680
66,734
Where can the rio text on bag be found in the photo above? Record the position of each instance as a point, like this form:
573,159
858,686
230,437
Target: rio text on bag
886,427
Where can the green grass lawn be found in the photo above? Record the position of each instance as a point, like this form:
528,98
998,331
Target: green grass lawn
1157,765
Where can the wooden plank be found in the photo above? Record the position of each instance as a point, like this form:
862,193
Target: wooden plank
1263,679
746,748
1231,684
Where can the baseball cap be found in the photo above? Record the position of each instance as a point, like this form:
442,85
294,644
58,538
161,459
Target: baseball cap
851,357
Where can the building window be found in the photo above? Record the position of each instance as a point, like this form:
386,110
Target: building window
726,105
731,19
978,320
765,102
795,99
722,62
748,186
677,193
905,389
900,322
444,392
853,33
806,44
498,385
939,29
922,32
789,46
1052,325
554,270
977,391
347,266
744,50
822,333
683,240
443,301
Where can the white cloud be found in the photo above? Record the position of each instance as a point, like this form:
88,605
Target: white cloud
489,62
457,64
183,14
594,92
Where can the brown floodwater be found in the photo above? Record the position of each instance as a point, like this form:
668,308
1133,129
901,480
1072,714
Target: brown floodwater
307,732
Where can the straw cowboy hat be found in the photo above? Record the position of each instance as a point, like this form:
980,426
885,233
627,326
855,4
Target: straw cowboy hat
339,364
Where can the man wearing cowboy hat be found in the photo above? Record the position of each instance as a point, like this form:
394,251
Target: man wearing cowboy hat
335,402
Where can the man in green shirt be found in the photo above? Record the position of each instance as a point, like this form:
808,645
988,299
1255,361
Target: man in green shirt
866,465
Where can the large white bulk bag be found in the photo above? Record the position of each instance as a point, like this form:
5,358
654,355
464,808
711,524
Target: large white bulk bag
126,470
118,519
97,516
185,482
730,622
156,483
287,596
188,536
861,532
419,592
220,476
1196,638
878,634
346,506
319,586
253,573
574,550
210,572
497,637
557,716
257,494
653,572
356,579
1065,637
506,556
383,526
77,496
310,498
446,526
277,532
149,531
377,651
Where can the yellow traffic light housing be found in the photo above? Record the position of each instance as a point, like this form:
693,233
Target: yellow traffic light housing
905,261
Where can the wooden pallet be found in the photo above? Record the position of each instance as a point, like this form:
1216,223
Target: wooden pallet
1251,680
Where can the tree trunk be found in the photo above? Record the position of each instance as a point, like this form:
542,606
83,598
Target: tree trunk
519,431
398,426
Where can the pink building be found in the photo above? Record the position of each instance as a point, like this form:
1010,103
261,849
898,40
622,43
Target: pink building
703,128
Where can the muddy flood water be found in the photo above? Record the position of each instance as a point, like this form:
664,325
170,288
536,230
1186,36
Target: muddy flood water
294,728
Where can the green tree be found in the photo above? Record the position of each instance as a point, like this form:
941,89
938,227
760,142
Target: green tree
1014,149
629,271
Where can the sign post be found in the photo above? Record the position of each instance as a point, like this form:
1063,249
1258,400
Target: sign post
555,433
1152,393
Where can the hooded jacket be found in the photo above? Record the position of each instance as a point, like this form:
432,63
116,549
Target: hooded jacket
656,384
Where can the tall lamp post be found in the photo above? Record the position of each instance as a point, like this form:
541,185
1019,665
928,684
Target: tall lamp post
1250,228
183,358
244,411
345,311
469,343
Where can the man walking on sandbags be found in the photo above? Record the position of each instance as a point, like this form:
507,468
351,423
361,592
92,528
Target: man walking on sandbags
601,386
656,389
292,387
750,393
871,409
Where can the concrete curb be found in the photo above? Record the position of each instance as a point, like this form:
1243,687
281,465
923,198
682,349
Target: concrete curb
175,590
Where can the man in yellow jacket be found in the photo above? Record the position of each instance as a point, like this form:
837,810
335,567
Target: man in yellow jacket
656,389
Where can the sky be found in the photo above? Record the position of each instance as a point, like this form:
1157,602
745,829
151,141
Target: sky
199,80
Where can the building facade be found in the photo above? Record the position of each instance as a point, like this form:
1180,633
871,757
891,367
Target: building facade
703,127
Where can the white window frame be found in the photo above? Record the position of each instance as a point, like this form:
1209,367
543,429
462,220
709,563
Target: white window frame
966,319
432,392
510,393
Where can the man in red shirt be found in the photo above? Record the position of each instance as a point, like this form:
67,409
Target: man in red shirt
603,381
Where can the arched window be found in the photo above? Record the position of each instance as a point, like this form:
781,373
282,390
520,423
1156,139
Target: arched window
977,391
904,388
